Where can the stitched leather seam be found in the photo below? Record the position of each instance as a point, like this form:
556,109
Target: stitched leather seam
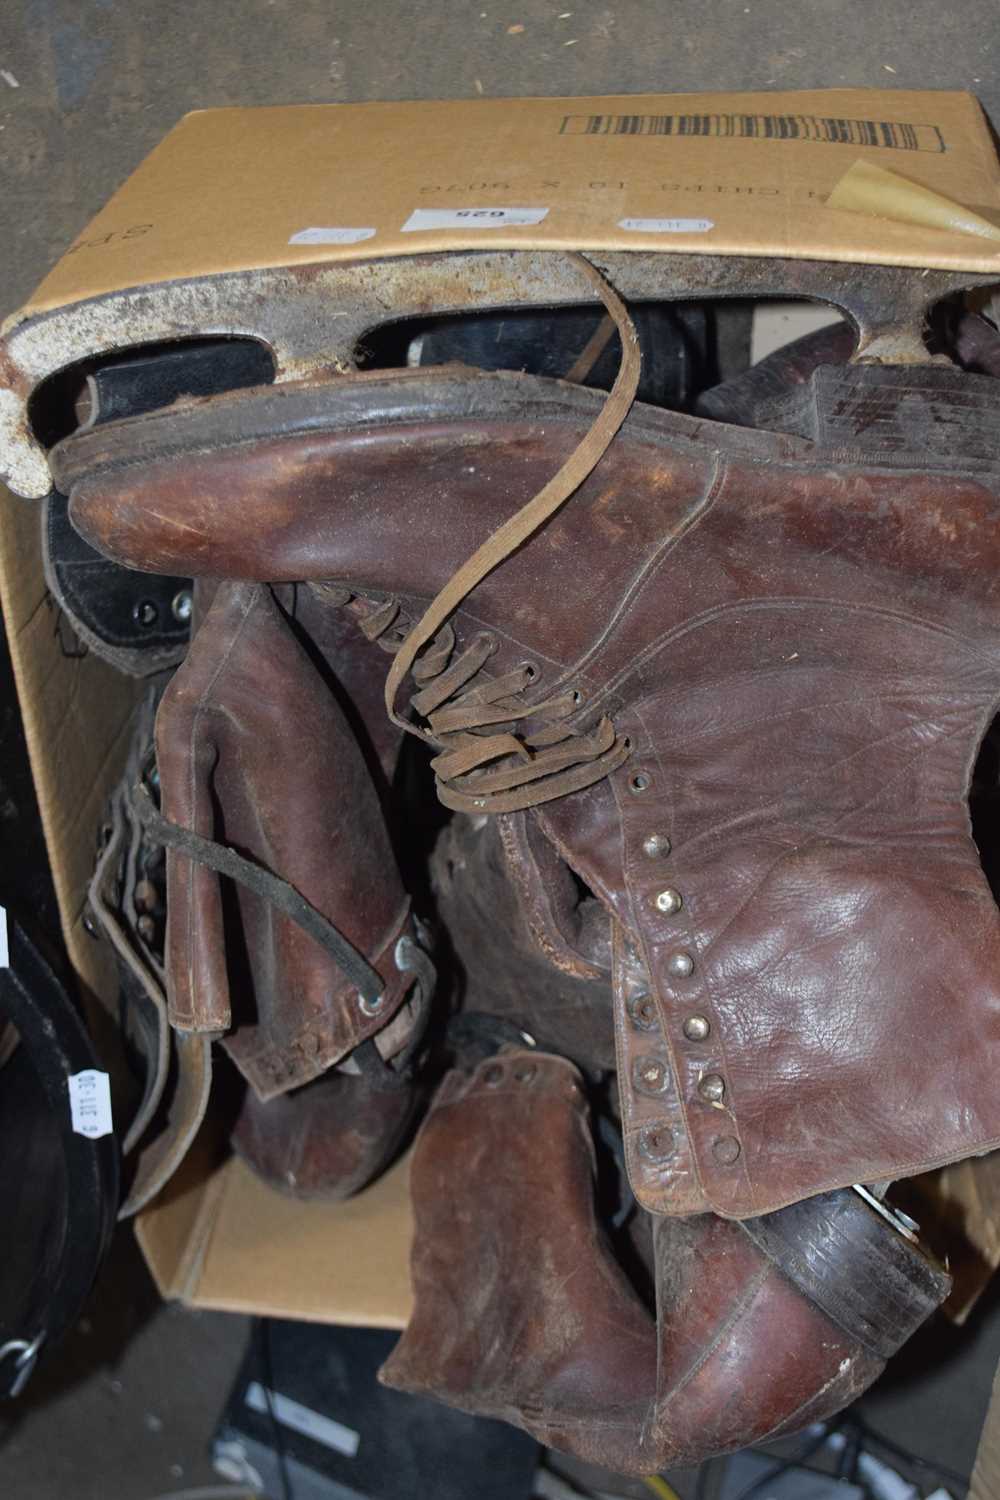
779,604
651,567
736,1315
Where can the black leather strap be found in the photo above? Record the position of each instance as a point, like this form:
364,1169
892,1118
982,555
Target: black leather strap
280,893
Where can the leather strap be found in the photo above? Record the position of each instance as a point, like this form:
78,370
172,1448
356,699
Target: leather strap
270,887
525,522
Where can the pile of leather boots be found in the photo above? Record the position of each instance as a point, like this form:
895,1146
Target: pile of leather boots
572,775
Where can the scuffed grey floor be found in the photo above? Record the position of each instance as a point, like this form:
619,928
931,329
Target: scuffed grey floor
87,88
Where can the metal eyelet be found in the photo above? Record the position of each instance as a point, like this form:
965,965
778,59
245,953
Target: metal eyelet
371,1007
651,1074
642,1011
657,1143
638,783
712,1088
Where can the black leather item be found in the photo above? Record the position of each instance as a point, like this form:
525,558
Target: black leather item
140,623
675,342
58,1189
128,618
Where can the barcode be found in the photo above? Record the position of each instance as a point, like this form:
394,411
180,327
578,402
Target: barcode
896,135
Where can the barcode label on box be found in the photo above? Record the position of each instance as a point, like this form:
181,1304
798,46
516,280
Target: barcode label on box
472,218
90,1103
894,135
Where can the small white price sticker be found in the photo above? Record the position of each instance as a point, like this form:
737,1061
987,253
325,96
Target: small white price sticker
4,946
90,1103
668,226
334,236
472,218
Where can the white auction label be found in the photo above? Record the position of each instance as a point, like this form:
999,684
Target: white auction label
331,236
472,218
4,946
90,1103
667,226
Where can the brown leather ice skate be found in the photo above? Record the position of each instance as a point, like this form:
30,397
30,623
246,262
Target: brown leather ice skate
721,687
739,676
522,1313
253,750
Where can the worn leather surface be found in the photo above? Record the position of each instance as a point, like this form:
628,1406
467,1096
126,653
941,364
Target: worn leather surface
530,950
253,750
521,1312
802,640
326,1140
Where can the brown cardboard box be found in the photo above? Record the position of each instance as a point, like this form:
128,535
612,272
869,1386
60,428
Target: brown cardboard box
236,189
725,174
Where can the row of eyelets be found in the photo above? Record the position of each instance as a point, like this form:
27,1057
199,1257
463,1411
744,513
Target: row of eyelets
696,1028
523,1072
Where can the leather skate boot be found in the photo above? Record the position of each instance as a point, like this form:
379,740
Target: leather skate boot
253,751
522,1313
758,651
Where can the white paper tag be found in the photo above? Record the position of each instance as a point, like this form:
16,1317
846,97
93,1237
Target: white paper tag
329,236
4,948
90,1103
472,218
667,226
303,1419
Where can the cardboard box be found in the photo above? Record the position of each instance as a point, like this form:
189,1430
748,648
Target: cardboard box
230,190
217,1237
723,174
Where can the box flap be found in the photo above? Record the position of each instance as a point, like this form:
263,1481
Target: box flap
224,1239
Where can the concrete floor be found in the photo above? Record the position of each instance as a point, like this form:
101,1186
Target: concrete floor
87,88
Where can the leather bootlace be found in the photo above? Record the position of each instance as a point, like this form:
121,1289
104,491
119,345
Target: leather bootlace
483,764
498,752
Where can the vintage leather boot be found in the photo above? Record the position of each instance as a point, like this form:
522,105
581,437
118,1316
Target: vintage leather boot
764,662
521,1312
253,751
